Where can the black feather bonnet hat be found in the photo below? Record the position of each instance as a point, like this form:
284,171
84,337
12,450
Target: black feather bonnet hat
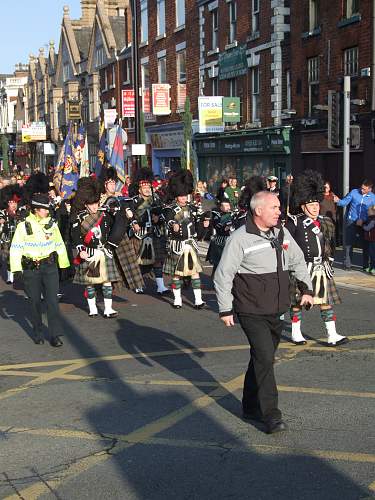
144,175
181,184
36,183
308,187
252,186
89,191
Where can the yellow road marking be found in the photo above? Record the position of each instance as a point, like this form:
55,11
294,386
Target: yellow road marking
20,373
372,486
136,437
46,377
311,345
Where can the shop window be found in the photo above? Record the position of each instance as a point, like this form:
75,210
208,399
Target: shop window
313,81
351,61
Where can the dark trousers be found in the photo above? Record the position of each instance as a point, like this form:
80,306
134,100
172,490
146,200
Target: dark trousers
354,235
260,390
371,247
43,280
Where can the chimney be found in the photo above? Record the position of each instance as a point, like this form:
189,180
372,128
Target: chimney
88,8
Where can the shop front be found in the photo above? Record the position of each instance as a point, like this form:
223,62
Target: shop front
166,142
242,154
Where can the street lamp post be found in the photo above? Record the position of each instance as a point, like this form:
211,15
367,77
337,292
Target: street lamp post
137,117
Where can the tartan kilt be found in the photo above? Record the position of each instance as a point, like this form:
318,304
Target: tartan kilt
172,262
126,259
113,275
159,245
333,296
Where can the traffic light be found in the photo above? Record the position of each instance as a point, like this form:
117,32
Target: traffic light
334,119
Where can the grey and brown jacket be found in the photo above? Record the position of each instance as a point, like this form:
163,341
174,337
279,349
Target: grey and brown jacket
253,273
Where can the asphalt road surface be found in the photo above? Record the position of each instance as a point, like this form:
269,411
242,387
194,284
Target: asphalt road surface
147,406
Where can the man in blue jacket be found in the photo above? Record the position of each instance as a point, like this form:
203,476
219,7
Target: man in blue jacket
359,200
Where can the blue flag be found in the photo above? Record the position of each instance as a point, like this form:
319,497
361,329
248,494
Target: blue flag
117,157
66,173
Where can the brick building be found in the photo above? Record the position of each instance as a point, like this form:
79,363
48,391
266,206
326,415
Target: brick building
168,54
259,142
328,43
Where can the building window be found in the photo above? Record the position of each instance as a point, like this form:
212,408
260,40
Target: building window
181,66
126,71
67,73
313,80
233,87
162,69
160,17
351,8
313,14
113,85
180,13
215,86
255,16
215,29
145,76
99,56
351,61
232,21
288,90
144,21
255,95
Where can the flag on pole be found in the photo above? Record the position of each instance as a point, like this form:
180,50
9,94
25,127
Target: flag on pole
117,156
101,152
66,172
81,152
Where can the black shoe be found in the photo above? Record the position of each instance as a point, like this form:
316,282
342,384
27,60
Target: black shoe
345,340
165,292
200,306
300,342
275,425
56,342
38,340
252,415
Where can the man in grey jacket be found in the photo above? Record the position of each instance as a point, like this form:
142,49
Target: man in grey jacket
252,280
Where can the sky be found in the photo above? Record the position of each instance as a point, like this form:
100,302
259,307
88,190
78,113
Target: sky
27,25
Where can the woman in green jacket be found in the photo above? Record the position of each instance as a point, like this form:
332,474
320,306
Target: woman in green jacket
37,250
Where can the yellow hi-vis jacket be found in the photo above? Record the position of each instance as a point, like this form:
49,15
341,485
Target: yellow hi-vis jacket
37,242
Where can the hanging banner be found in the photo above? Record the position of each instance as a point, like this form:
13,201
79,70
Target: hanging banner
160,99
34,132
210,114
128,103
231,109
110,116
233,63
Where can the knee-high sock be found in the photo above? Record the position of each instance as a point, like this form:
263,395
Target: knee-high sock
196,285
107,294
296,317
91,300
176,289
329,318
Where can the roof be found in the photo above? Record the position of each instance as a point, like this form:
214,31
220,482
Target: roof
118,29
82,36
